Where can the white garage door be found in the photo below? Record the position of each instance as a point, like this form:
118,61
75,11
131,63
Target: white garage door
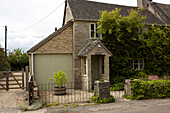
46,65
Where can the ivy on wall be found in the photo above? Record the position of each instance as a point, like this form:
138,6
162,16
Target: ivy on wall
129,39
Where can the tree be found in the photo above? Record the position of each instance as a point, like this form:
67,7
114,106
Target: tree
127,39
18,59
4,65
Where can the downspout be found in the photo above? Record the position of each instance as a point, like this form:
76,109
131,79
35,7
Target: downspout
32,56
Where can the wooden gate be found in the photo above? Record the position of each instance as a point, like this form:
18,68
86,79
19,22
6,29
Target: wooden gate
11,80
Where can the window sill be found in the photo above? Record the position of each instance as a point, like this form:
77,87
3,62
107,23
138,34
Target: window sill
84,75
95,39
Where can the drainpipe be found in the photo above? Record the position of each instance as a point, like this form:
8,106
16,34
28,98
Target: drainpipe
32,56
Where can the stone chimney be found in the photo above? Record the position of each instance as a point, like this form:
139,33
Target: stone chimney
142,3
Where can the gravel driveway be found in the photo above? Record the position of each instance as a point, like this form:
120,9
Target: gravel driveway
11,98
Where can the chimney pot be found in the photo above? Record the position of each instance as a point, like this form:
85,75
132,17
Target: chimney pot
55,28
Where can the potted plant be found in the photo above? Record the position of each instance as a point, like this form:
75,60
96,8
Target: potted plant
59,79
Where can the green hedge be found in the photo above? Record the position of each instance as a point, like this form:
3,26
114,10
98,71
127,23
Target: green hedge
97,99
150,89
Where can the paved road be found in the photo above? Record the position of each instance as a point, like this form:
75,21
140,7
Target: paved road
122,106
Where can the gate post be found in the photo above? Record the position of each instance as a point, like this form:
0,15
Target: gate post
22,80
7,80
102,89
27,77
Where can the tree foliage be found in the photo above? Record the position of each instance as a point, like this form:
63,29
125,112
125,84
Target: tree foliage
18,59
157,50
128,39
4,64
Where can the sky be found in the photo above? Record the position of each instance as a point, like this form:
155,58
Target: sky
30,21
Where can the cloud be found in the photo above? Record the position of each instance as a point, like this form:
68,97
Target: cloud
25,43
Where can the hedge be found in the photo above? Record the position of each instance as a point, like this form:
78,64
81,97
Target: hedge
150,89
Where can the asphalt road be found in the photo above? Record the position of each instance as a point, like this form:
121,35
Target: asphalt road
121,106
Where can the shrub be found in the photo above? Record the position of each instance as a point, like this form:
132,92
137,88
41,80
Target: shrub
74,105
59,78
55,104
97,99
117,87
101,80
37,104
150,89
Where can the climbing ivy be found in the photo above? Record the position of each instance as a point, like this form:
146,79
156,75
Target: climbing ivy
128,38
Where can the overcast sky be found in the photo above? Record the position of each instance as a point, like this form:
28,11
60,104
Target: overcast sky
30,21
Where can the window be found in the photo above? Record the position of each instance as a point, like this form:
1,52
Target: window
93,31
102,65
142,33
84,66
138,64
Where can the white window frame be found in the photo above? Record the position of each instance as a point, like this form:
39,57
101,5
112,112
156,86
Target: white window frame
85,66
95,32
138,64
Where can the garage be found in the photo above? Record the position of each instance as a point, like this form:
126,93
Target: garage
46,65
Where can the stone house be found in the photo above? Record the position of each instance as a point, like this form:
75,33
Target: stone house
76,48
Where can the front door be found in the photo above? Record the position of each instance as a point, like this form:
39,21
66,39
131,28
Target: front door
94,68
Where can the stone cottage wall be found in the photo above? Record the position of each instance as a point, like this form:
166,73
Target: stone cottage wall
62,43
80,40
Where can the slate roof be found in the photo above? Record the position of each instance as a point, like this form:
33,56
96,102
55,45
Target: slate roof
89,10
49,37
163,10
90,46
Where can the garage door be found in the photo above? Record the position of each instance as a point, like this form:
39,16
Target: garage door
46,65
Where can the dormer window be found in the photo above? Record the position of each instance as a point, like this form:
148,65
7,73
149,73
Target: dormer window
93,31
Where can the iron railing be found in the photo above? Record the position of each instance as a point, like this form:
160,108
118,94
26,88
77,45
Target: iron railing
73,94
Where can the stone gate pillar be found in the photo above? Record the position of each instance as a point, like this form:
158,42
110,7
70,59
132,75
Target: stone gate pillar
102,89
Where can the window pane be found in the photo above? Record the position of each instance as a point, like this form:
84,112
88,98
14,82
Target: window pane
92,31
84,65
92,34
136,61
136,66
141,61
97,35
92,27
141,66
102,64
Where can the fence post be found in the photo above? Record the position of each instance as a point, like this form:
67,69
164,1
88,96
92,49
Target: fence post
7,80
22,80
31,90
27,77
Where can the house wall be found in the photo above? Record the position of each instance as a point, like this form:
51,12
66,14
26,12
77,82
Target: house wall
68,15
80,40
62,43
